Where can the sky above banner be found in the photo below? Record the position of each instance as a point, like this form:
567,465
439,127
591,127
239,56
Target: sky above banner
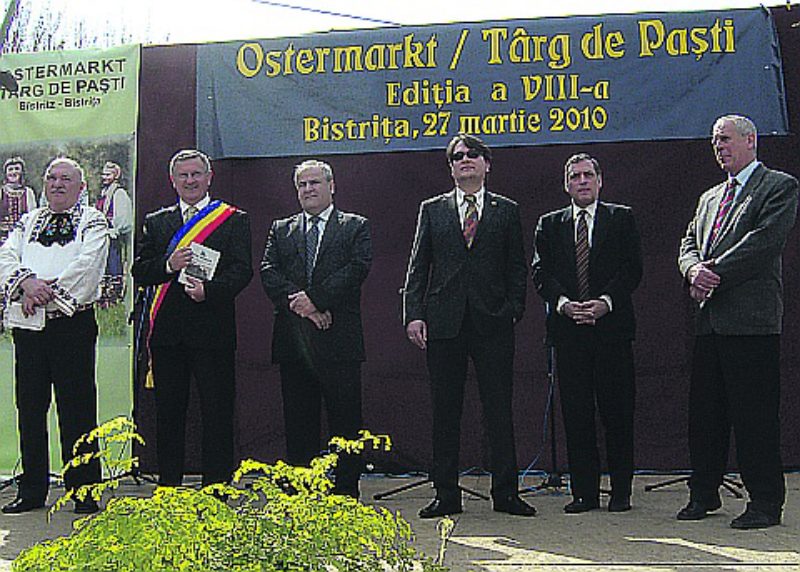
191,21
520,82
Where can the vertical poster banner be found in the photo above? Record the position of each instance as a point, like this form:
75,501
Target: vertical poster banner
83,105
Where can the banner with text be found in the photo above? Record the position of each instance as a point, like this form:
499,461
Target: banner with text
61,95
83,105
523,82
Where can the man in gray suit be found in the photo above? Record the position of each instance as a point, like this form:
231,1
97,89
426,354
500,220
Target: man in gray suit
731,260
314,264
465,290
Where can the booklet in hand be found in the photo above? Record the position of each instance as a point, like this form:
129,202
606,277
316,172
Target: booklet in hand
203,265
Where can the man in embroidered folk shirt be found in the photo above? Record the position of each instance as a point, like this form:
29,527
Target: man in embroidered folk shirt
193,326
50,269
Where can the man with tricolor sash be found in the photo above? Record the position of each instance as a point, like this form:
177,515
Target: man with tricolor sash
192,321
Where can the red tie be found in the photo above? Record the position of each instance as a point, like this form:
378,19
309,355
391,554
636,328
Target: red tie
582,255
724,208
470,220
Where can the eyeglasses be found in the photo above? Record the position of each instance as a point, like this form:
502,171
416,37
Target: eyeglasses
458,155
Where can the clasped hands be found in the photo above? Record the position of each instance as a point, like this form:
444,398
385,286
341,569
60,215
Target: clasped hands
180,259
36,292
301,304
585,313
702,280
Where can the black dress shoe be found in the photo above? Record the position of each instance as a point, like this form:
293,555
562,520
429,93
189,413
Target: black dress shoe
619,503
697,510
581,504
753,518
441,507
20,505
86,506
513,505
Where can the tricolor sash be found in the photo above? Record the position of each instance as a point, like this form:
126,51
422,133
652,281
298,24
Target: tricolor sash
197,229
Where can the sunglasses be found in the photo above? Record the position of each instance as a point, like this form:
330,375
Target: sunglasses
458,155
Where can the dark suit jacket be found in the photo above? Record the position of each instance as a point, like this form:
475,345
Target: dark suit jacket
746,254
443,275
615,269
342,265
211,323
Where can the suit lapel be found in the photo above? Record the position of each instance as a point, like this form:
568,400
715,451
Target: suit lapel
329,236
488,217
710,216
174,220
739,204
602,218
567,230
296,234
452,219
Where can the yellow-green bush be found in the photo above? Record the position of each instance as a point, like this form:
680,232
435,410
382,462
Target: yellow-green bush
282,519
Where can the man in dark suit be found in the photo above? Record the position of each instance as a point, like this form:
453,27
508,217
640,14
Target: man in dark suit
731,260
464,291
313,267
587,262
193,324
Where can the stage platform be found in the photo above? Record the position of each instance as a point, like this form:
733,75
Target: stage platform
646,538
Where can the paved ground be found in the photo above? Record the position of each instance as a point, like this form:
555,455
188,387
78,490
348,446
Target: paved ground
646,538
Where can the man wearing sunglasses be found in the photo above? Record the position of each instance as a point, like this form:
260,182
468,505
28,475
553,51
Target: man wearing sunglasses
464,291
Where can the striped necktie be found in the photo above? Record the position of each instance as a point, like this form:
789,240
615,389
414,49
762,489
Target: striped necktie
470,220
724,207
582,255
312,239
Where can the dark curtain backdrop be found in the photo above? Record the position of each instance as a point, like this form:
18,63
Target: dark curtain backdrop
660,180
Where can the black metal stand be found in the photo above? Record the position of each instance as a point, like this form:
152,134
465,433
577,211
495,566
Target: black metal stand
731,485
137,476
421,482
418,483
554,479
7,483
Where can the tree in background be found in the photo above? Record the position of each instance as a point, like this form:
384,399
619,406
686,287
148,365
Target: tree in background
37,26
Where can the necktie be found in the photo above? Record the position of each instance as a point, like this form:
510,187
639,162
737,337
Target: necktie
312,239
470,220
724,207
189,213
582,255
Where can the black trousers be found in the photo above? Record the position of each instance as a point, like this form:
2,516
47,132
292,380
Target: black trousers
735,383
305,384
213,370
493,358
597,376
60,358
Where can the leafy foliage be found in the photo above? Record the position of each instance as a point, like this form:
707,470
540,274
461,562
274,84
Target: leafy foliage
273,518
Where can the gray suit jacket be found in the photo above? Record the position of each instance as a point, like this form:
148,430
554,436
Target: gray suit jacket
746,254
443,274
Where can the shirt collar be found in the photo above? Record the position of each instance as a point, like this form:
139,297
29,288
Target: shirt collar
460,194
199,205
323,216
591,210
743,175
76,208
